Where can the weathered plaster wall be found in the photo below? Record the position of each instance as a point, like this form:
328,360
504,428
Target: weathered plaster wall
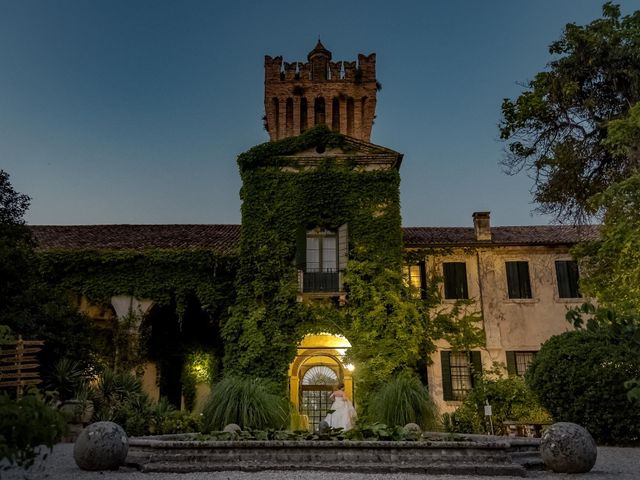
509,324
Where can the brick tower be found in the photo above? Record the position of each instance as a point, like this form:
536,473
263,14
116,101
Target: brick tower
341,95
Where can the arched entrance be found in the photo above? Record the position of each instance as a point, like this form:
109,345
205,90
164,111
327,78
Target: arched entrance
314,373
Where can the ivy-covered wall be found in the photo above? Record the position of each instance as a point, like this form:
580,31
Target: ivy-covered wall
280,198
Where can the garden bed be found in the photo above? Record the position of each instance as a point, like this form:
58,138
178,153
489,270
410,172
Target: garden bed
433,454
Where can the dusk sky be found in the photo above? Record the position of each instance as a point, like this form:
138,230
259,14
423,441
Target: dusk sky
135,111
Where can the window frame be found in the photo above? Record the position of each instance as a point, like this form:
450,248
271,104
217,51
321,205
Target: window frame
512,361
569,278
474,360
521,290
456,276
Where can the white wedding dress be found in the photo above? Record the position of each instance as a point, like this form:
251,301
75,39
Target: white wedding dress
343,416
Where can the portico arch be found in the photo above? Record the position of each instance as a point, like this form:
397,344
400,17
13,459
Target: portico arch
316,369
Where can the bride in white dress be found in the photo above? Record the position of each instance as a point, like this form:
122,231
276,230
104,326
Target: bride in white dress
344,415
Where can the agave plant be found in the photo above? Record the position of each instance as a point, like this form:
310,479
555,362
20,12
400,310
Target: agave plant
248,402
402,400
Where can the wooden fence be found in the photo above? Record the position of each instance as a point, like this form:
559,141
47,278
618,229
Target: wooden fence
19,365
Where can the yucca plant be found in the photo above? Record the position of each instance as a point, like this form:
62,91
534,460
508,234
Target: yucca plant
119,397
402,400
248,402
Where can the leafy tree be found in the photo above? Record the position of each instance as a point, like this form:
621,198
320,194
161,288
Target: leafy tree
29,306
580,377
556,129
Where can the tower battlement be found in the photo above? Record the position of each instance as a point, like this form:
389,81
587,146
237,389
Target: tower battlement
299,95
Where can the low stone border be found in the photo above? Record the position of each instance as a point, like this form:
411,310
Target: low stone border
478,455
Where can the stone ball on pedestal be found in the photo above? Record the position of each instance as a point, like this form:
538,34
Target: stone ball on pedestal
568,448
101,446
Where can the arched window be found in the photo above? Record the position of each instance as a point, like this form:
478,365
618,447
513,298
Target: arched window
320,375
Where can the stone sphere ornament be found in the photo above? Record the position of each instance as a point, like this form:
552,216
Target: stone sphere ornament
101,446
568,448
233,429
323,426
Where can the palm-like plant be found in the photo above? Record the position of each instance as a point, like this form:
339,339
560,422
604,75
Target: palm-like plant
248,402
403,400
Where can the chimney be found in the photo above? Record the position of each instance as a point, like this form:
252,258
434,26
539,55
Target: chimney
482,226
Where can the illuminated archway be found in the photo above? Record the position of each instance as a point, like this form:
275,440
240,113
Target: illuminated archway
317,368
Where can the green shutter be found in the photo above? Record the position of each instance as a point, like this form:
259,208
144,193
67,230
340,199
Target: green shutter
301,248
511,364
423,279
447,388
476,365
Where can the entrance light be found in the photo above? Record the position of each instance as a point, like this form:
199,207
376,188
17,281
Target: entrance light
351,367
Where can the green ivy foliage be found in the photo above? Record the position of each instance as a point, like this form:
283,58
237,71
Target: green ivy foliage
267,322
162,275
389,329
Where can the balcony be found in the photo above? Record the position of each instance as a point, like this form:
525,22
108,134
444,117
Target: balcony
324,281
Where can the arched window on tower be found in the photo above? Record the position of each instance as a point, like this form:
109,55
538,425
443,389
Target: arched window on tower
319,111
335,114
289,117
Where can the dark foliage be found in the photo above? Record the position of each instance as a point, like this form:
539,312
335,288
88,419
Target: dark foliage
579,377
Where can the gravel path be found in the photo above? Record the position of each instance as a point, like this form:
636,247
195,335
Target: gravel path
613,464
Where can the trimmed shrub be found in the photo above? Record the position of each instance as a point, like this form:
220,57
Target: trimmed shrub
402,400
248,402
510,399
580,377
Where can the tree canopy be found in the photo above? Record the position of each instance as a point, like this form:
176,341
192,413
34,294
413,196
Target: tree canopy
556,129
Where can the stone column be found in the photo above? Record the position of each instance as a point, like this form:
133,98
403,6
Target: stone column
282,107
296,115
343,115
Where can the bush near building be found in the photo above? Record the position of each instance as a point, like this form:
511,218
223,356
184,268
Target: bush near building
580,377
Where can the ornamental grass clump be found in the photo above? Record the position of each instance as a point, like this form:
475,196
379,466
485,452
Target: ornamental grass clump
247,402
402,400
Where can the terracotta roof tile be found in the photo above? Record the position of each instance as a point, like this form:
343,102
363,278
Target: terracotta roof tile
520,235
225,238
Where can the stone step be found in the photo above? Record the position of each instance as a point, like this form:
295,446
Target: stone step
439,469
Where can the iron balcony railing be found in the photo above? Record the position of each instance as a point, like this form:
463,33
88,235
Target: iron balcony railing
321,281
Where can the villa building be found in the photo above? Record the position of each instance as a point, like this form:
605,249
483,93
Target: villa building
520,279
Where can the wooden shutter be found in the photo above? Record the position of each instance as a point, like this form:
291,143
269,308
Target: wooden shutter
518,283
461,280
301,248
423,279
568,278
447,388
511,364
343,246
476,365
455,280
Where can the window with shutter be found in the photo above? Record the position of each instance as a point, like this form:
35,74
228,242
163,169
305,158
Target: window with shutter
458,370
518,282
518,362
321,255
568,279
455,280
415,277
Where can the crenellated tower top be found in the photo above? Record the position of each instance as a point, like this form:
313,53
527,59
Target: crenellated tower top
341,95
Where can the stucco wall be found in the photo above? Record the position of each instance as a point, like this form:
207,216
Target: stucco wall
509,324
